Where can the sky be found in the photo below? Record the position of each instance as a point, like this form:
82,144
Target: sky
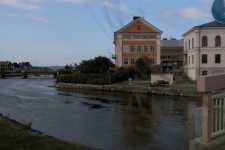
60,32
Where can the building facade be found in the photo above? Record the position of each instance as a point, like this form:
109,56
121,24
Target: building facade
172,54
6,66
204,50
136,40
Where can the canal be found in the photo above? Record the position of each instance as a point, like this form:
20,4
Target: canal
110,121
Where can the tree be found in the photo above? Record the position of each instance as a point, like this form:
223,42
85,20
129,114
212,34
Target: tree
97,65
143,66
67,70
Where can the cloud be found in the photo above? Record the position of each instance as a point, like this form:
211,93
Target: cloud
189,13
79,1
121,7
23,4
193,13
33,18
109,4
39,19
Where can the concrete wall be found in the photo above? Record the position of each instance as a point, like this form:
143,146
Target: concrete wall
207,84
165,77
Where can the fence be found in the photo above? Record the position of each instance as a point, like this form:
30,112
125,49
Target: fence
218,115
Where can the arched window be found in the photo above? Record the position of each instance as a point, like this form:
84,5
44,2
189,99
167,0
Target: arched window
204,41
218,41
217,58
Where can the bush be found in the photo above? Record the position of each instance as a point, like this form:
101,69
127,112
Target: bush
123,74
143,67
81,78
112,76
96,65
67,70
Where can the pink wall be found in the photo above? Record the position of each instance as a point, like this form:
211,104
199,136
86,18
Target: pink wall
211,83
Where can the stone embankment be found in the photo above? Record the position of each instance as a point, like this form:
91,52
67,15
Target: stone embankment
138,87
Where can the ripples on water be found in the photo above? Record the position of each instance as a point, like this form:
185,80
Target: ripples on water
110,121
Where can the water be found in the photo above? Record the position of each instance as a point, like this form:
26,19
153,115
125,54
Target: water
108,121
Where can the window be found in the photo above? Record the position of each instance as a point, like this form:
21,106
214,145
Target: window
185,45
185,59
189,60
139,49
193,43
132,48
193,59
204,73
125,49
218,41
152,48
146,48
204,59
142,49
204,41
217,58
132,61
189,44
126,61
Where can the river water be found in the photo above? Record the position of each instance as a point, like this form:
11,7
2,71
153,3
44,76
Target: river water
110,121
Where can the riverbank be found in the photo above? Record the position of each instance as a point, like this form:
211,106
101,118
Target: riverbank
16,136
137,87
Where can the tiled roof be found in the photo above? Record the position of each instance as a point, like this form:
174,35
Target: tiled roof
211,24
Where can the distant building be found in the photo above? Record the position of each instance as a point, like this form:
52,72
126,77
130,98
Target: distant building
136,40
6,66
172,54
204,50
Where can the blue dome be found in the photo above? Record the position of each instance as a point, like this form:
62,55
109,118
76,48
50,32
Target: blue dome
218,11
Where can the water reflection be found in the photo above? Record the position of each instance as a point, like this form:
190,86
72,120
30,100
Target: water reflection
150,122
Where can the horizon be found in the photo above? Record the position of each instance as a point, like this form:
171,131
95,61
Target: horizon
63,32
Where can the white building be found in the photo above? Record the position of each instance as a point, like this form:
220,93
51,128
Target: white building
204,50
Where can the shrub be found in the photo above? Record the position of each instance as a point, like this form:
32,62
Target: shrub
143,66
112,76
96,65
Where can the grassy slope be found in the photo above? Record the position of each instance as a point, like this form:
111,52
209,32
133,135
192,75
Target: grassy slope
13,137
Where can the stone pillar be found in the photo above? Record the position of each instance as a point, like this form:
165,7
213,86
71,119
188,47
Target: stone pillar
206,120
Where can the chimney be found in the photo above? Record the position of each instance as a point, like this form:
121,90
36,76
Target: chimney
136,17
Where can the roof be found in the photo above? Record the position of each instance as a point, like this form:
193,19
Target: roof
172,43
212,24
135,19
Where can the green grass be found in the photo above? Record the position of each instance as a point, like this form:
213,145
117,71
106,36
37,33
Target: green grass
14,137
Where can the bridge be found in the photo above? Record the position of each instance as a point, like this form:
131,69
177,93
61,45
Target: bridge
26,74
211,123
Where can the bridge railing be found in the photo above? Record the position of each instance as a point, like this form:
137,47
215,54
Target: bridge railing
213,109
218,115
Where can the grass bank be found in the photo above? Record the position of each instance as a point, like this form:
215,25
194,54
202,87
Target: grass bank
14,136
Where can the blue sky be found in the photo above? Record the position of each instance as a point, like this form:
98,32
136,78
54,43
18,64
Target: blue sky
59,32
